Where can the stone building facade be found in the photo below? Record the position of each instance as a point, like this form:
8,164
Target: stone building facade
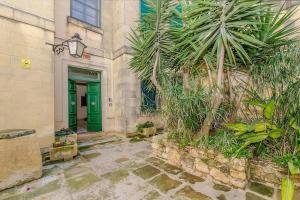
34,83
27,91
34,92
108,53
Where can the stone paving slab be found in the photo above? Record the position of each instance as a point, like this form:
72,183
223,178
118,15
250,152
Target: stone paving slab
164,183
112,168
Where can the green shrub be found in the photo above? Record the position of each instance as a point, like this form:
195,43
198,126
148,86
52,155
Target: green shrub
140,127
222,141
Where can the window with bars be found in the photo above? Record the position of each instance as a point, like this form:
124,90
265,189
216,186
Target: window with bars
87,11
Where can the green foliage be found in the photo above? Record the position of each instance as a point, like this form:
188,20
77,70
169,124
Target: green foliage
184,111
222,141
140,127
183,139
287,188
63,132
260,130
283,160
227,143
210,24
151,41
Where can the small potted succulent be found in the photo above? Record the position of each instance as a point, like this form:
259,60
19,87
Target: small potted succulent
146,129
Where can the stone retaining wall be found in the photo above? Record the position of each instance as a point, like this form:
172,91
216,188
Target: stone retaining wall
210,163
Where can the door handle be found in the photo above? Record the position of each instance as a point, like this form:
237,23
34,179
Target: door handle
93,103
73,103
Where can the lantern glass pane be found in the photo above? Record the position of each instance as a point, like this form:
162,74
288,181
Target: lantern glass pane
72,47
80,49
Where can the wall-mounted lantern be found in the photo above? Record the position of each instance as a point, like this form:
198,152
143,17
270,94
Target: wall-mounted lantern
75,46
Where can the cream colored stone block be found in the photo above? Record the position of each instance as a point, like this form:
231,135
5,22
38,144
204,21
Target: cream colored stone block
239,164
64,152
219,176
201,166
5,61
221,159
238,174
238,183
20,160
6,12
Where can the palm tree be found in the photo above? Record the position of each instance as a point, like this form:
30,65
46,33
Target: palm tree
151,42
218,34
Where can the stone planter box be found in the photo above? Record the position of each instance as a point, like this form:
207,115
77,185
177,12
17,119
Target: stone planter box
67,138
206,162
63,152
20,158
147,132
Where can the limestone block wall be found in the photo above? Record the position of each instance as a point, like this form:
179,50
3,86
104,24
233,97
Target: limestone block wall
202,162
99,44
126,85
210,163
20,160
126,95
27,95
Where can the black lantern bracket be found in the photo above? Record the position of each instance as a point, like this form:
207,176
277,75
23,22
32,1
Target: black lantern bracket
60,48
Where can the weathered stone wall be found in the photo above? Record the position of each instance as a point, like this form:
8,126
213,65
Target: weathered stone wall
233,171
268,172
20,160
109,50
26,94
210,163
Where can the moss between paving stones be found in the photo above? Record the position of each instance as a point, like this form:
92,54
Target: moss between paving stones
189,192
81,182
221,187
165,183
155,161
133,165
120,160
251,196
35,192
86,147
146,172
76,170
116,176
221,197
11,192
142,154
261,189
91,155
171,169
49,187
153,195
190,178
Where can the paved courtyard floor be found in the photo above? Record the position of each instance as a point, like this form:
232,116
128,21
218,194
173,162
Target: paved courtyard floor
113,168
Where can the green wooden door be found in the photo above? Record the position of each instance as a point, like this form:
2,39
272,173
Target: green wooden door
72,105
94,121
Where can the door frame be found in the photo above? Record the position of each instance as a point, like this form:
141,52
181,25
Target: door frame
78,78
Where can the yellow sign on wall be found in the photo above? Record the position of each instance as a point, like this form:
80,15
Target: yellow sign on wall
26,63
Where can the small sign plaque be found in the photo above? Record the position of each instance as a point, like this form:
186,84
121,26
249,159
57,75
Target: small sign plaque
26,63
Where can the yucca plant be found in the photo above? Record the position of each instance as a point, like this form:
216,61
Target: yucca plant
218,34
151,42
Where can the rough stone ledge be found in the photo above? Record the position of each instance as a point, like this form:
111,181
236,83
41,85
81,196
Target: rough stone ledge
13,133
206,162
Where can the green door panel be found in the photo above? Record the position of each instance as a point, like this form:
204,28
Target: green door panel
72,105
94,115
